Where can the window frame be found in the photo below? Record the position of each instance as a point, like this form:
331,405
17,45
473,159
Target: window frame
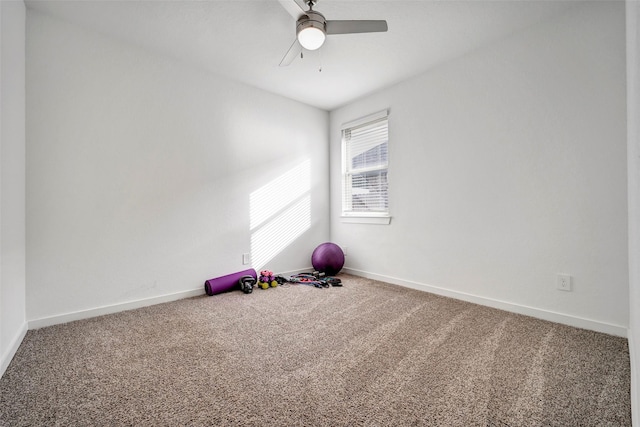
349,215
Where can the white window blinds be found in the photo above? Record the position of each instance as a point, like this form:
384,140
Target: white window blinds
365,164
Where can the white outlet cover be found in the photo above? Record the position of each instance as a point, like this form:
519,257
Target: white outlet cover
564,282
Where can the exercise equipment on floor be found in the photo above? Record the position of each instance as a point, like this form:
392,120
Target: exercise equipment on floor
267,279
317,279
227,283
328,258
247,283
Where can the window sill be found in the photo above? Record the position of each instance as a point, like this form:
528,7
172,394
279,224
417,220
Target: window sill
381,220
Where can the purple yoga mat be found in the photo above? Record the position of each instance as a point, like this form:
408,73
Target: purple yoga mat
226,283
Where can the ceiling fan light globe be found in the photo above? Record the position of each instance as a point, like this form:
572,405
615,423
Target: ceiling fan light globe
311,38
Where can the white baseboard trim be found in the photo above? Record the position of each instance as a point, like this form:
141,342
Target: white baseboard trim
552,316
109,309
292,272
115,308
13,348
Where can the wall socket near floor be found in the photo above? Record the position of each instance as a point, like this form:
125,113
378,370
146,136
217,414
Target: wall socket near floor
344,250
564,282
246,259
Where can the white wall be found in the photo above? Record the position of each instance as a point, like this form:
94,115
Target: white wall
508,166
633,123
13,324
140,171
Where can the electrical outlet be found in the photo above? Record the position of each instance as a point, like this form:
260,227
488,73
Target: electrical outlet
246,259
344,251
564,282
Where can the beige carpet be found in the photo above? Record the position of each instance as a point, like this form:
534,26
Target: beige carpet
368,353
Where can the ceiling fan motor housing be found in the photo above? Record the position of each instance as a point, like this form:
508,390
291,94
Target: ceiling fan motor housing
314,21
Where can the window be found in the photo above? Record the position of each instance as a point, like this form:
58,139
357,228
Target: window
365,160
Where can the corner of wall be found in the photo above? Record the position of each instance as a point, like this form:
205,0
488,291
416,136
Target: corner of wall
12,348
633,159
13,324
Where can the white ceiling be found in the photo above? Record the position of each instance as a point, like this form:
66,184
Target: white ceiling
245,40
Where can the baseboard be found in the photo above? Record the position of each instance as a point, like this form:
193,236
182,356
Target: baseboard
552,316
13,348
115,308
292,272
109,309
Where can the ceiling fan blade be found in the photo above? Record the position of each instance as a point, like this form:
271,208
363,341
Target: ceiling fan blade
291,54
349,27
293,8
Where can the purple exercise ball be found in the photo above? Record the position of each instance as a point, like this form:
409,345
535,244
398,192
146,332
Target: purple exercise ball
328,258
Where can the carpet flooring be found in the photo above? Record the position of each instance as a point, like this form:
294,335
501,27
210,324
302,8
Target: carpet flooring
366,354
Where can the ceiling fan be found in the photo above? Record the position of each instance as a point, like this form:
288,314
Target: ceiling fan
312,28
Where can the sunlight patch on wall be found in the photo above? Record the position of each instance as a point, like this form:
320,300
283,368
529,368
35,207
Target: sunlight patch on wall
273,196
279,212
279,233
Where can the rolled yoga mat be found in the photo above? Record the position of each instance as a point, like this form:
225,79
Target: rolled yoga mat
226,283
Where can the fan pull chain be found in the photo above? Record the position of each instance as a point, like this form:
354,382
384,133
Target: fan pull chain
320,60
